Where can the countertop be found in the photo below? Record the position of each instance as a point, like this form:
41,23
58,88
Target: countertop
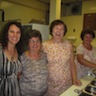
85,81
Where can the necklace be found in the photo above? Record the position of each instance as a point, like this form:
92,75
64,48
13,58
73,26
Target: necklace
88,47
11,54
12,58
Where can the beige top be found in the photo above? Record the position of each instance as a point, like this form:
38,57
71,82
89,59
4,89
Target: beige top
58,55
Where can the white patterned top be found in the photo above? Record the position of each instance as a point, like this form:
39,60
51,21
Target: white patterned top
89,55
33,81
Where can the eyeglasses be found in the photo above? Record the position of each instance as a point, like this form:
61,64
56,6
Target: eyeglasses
32,41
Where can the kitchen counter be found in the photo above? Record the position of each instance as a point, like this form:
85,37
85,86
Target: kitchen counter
85,81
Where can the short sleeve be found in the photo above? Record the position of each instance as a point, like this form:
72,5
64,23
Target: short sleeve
80,49
44,46
23,59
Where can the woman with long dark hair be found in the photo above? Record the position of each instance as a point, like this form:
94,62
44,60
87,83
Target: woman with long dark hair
10,65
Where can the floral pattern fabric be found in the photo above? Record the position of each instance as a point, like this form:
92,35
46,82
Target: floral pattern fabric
58,55
89,55
33,81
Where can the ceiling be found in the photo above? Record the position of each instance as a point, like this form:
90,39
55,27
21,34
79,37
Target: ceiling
63,1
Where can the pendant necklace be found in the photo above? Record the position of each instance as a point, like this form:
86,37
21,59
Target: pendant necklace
12,58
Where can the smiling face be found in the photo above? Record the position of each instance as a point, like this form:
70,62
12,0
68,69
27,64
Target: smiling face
58,32
87,39
14,34
34,44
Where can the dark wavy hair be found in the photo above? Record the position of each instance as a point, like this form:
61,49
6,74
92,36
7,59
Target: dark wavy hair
4,35
87,31
55,23
32,33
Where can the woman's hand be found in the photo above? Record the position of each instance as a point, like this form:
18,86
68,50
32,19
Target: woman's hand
77,83
19,74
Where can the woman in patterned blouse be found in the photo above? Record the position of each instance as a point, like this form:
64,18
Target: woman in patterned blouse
61,67
33,81
86,53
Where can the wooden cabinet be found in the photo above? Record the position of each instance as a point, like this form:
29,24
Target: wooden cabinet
89,21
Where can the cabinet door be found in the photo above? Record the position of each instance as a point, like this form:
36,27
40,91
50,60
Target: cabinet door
89,21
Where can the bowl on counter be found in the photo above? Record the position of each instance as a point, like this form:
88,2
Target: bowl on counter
94,71
93,83
90,89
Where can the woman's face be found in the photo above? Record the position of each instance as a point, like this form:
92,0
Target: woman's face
14,34
34,44
58,31
87,39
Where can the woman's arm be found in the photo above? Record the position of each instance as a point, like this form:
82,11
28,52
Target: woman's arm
19,75
85,62
73,70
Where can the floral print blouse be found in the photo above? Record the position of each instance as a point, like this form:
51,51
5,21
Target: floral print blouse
58,55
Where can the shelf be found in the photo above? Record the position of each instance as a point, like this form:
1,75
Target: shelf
72,38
